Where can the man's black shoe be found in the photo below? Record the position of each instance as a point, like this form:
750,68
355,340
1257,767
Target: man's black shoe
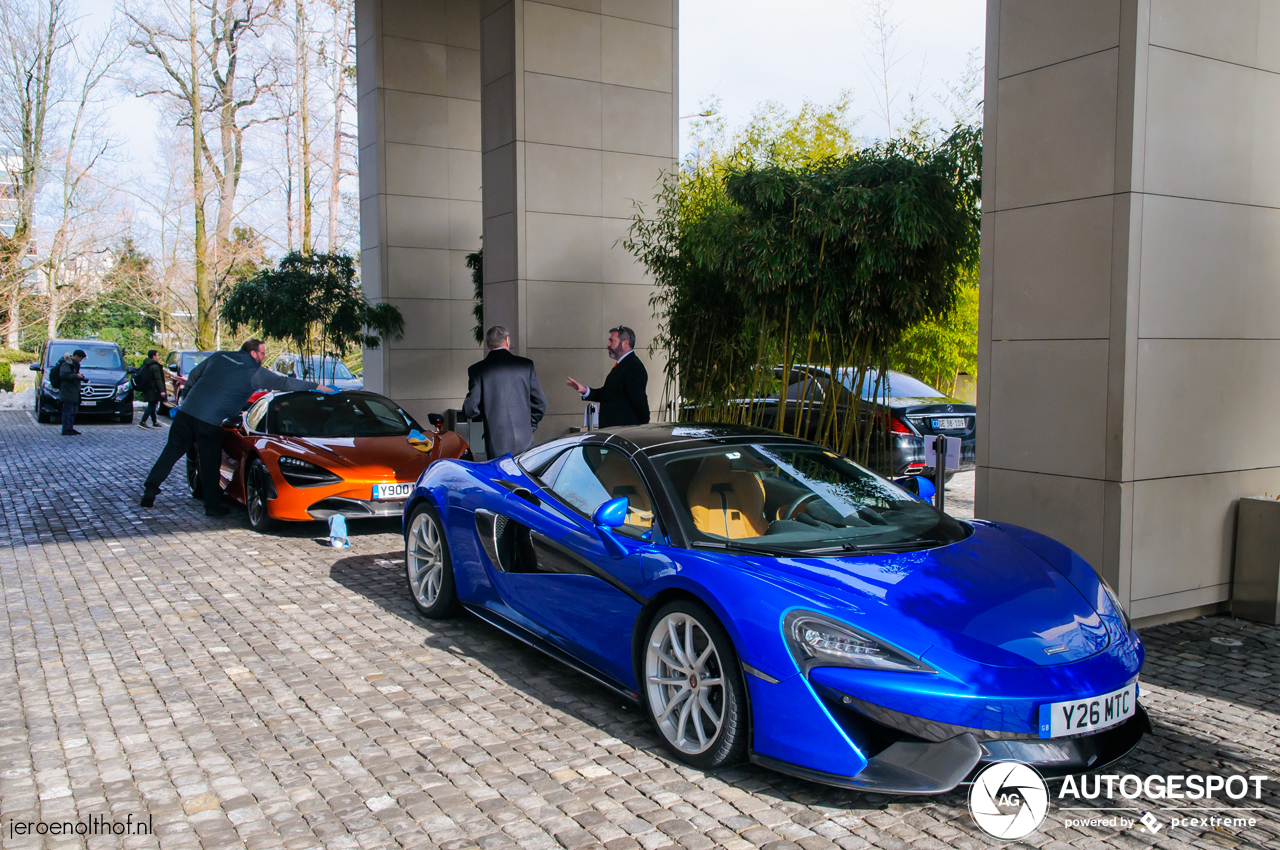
148,498
220,510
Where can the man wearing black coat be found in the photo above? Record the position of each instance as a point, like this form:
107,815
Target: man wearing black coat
503,391
150,380
624,398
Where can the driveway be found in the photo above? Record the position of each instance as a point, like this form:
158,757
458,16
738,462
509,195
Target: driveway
235,689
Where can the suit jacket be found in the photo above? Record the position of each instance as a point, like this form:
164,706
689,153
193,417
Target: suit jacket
624,398
503,390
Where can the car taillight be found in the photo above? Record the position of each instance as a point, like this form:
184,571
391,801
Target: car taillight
897,426
915,467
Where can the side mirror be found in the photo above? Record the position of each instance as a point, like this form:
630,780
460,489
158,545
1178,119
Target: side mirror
34,367
435,419
233,422
607,517
133,370
173,367
612,513
921,488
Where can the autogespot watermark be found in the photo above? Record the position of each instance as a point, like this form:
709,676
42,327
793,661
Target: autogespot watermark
1010,800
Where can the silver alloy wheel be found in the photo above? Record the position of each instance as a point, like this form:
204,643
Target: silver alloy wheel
684,681
256,498
425,559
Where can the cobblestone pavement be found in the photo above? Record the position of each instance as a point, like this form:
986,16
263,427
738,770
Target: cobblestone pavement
235,689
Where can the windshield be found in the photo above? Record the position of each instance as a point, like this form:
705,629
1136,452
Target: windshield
192,359
334,370
899,385
796,499
339,415
97,356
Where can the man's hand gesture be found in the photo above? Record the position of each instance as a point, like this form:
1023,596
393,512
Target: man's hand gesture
581,388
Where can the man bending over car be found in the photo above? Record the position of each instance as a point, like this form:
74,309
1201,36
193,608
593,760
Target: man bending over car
216,390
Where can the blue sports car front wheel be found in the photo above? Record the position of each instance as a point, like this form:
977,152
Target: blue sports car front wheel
693,686
428,570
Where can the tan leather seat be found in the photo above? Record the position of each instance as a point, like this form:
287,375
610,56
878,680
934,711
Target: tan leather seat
727,502
619,478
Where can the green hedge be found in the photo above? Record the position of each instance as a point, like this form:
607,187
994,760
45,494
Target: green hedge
8,355
6,377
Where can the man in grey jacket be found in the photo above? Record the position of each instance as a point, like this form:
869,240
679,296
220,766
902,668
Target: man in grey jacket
69,390
216,390
503,390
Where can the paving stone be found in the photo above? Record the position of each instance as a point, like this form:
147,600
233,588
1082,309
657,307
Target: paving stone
267,691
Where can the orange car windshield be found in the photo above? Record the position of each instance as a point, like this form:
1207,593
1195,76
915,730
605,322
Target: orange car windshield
340,415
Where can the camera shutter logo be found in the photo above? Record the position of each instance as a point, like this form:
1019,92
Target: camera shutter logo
1009,800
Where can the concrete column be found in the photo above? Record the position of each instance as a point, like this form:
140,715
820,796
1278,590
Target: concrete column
1130,303
418,79
579,120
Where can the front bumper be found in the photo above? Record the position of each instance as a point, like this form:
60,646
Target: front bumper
355,508
106,406
924,733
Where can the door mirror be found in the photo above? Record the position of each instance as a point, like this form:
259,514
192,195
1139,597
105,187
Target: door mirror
233,422
35,367
173,367
921,488
612,513
435,419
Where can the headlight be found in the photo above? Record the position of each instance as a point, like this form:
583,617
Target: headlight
300,473
818,641
1115,603
122,389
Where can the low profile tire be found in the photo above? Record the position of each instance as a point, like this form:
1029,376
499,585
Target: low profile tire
428,570
193,478
693,686
257,484
42,416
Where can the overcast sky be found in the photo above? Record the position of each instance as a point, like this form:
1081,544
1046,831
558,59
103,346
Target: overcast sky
750,51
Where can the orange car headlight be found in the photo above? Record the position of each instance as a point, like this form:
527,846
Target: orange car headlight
300,473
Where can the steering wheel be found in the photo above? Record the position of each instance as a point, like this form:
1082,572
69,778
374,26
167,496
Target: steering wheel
792,509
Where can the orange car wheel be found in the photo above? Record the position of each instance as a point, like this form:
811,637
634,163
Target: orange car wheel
256,486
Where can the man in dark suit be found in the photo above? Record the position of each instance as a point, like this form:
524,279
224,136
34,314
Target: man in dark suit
624,398
503,391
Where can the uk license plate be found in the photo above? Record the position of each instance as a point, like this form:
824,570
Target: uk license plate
1078,716
948,424
382,492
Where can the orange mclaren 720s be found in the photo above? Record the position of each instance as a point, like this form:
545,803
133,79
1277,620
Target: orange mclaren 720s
308,456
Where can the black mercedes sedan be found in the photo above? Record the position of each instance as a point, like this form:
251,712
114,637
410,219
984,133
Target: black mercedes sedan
911,409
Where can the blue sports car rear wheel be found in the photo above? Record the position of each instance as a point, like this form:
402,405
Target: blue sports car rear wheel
693,686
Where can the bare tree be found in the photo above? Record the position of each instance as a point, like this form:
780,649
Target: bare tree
35,38
882,57
342,70
89,215
207,61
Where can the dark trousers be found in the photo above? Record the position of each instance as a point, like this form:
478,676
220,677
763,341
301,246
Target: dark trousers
69,411
151,412
187,431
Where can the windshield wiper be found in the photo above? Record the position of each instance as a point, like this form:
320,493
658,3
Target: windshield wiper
741,547
908,546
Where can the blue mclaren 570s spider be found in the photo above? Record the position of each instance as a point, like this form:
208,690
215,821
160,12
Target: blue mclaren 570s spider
765,599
